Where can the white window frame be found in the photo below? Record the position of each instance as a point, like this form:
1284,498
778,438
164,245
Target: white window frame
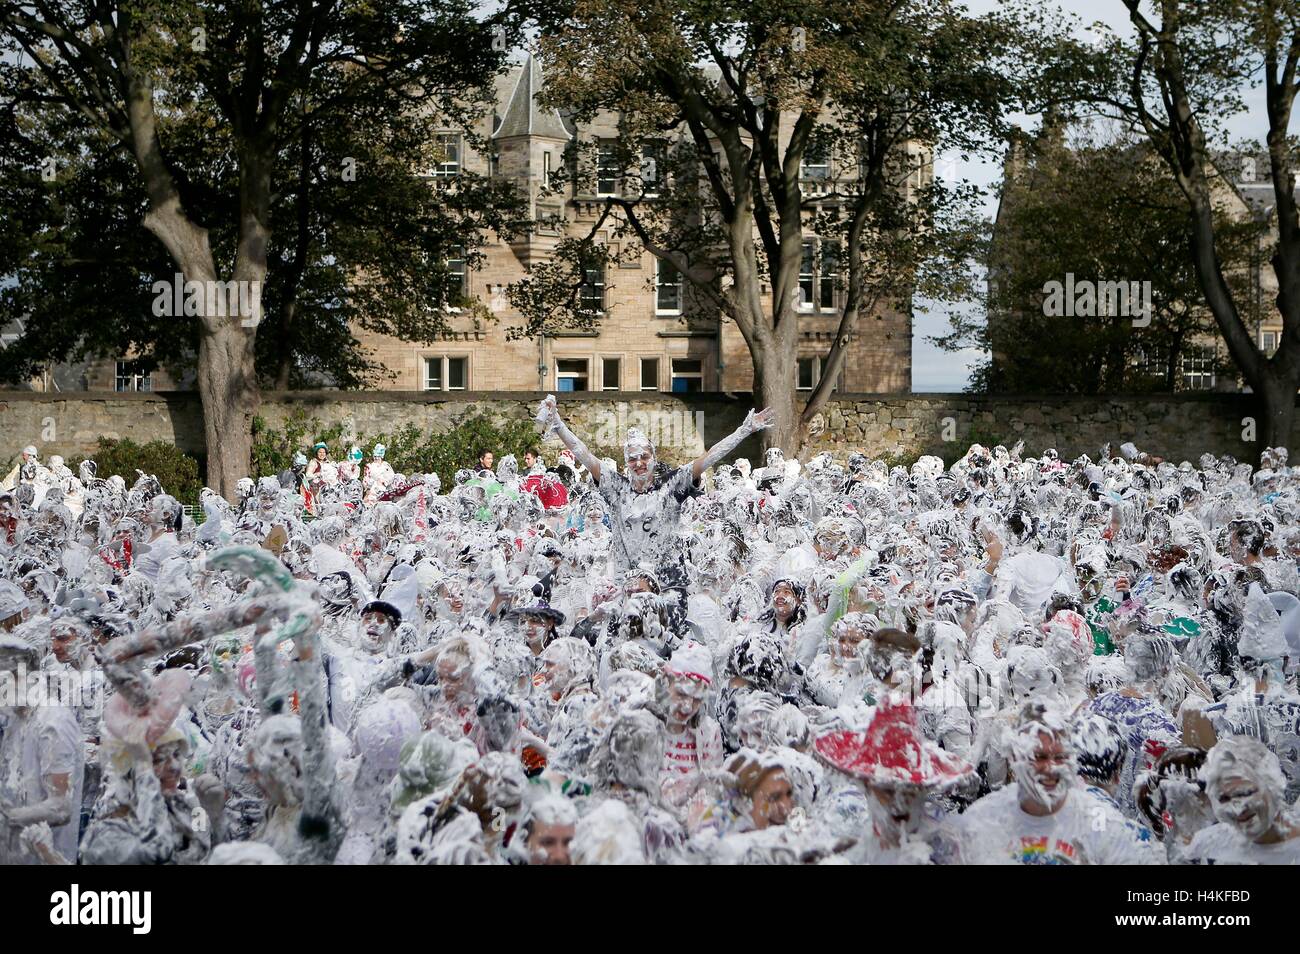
600,285
818,366
448,169
674,375
607,147
140,381
444,366
564,375
462,272
814,169
618,382
826,282
657,152
680,284
1194,367
807,279
641,360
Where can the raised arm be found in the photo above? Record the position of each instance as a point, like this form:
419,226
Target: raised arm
753,423
548,416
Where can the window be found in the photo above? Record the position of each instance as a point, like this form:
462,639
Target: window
546,169
571,374
1198,369
816,163
805,301
688,375
1151,361
668,288
446,156
649,374
826,277
610,374
607,168
456,275
810,371
807,374
131,376
1268,342
591,297
443,373
457,374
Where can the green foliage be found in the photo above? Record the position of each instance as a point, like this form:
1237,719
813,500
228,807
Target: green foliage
177,471
273,450
1098,206
414,450
410,449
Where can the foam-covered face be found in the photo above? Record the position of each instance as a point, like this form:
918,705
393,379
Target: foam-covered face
640,461
453,677
773,800
169,766
453,597
533,630
376,630
67,644
895,810
845,647
784,602
1043,768
555,674
685,697
751,727
1244,804
224,656
549,844
830,543
640,617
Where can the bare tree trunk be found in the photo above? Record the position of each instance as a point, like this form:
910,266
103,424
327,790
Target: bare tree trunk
227,381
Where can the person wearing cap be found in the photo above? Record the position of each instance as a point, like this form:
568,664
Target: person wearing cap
900,768
350,467
358,675
379,474
321,471
538,621
693,740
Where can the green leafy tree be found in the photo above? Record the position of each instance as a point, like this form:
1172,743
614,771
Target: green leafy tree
748,128
1185,71
1101,208
271,144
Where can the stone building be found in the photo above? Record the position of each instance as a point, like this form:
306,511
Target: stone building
650,338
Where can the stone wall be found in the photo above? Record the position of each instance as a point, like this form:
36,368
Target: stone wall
899,426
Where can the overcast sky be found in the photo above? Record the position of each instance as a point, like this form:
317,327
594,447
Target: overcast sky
935,370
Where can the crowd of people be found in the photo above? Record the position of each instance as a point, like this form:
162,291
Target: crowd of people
1013,659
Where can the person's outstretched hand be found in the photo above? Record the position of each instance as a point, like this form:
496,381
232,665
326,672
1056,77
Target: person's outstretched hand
760,421
548,415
